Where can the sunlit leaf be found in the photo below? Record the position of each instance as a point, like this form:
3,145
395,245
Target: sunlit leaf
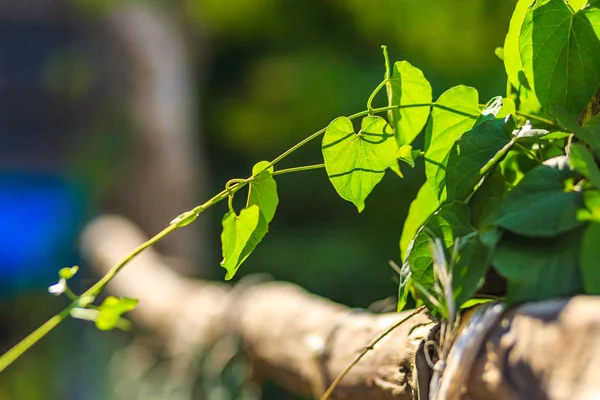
356,162
456,112
237,232
263,191
512,55
408,155
68,272
409,86
560,53
420,209
111,309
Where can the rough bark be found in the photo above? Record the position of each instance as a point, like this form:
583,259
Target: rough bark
546,350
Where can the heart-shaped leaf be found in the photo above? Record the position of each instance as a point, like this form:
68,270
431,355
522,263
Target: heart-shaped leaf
356,162
409,86
560,52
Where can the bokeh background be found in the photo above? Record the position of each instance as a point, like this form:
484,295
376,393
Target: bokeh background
146,108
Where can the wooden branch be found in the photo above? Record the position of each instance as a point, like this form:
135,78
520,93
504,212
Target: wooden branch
543,350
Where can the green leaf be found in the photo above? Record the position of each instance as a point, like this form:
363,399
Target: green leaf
499,52
591,212
583,162
560,53
409,86
450,223
577,5
111,309
356,162
590,256
420,210
237,232
539,205
68,272
567,121
508,107
263,190
512,55
538,269
456,111
593,126
472,152
485,203
408,155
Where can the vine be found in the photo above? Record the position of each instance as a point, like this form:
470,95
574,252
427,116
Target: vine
512,185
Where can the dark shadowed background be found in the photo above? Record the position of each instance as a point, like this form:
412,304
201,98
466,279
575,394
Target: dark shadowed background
146,108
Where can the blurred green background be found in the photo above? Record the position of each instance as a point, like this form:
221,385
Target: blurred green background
259,76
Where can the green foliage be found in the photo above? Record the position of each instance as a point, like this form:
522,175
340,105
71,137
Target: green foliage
452,224
455,113
409,87
512,185
110,311
356,162
560,52
68,272
540,205
538,269
473,151
590,254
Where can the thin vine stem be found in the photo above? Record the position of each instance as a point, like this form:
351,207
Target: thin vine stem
535,117
298,169
372,97
367,348
232,186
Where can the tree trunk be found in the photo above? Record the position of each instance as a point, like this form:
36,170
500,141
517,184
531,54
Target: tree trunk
545,350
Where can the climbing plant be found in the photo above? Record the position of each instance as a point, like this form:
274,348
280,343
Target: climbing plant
512,184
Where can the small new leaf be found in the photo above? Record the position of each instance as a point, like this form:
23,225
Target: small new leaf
408,155
68,272
110,311
356,162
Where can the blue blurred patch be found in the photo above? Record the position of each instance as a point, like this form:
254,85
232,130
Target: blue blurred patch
39,221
